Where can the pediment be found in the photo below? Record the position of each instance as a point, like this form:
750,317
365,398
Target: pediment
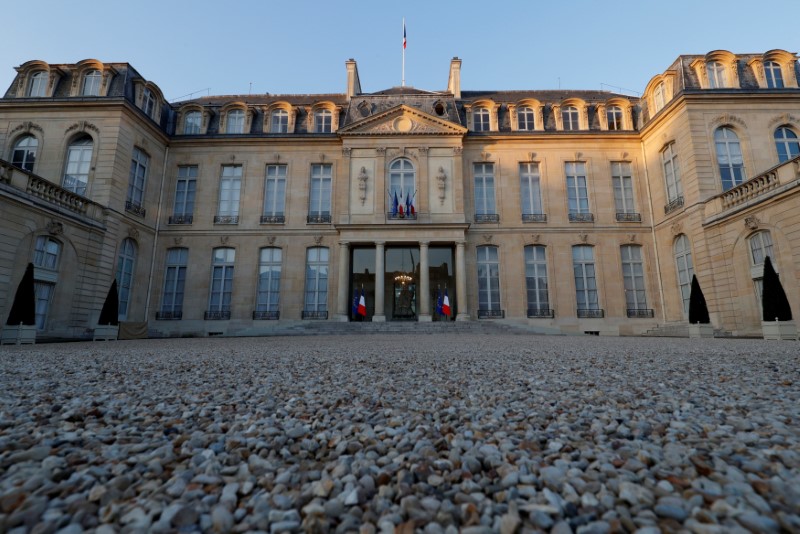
403,120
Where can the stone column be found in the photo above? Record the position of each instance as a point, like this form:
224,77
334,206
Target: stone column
461,283
424,293
380,314
344,270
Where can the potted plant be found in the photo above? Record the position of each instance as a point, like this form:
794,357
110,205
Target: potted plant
776,314
21,324
699,321
108,324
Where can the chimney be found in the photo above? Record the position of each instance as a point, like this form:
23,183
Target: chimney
353,83
454,82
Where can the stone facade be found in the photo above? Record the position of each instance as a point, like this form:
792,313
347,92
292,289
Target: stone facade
571,211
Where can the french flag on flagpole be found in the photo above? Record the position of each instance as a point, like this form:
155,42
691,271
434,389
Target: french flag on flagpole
404,34
446,304
439,302
354,308
362,304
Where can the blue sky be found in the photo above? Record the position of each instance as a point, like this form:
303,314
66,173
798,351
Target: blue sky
300,46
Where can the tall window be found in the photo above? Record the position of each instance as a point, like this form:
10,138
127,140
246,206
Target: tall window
192,123
614,118
174,283
316,292
126,262
91,83
488,280
484,192
274,194
773,74
480,120
760,248
148,102
570,118
716,75
536,281
185,189
530,189
269,280
230,186
219,297
683,265
319,207
525,119
45,258
585,278
659,98
79,160
402,180
787,144
137,177
24,155
633,278
729,157
323,121
622,180
234,122
280,121
38,84
672,177
577,192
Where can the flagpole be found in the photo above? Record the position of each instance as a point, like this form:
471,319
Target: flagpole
403,82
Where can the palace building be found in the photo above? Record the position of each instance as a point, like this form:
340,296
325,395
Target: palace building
568,211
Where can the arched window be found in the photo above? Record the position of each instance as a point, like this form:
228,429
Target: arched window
480,120
323,121
536,281
269,283
79,161
659,97
280,121
716,75
126,263
46,253
402,185
570,118
24,155
585,280
221,290
38,84
234,122
773,75
761,247
316,291
192,122
488,282
526,119
45,258
729,157
91,83
787,144
614,117
684,269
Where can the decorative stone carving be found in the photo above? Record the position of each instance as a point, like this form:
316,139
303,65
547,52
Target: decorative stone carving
784,118
277,158
624,155
487,238
233,157
224,239
55,228
583,237
632,238
578,155
322,157
346,151
381,151
535,238
318,239
441,180
727,118
133,233
531,156
270,239
457,150
82,126
423,150
177,240
752,222
677,228
27,126
362,185
485,156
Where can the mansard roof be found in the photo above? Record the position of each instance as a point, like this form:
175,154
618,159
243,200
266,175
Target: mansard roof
264,99
545,96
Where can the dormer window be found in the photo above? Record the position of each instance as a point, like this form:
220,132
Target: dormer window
773,74
38,84
192,123
614,117
570,118
235,122
658,97
716,75
481,120
148,102
91,83
323,119
280,121
526,119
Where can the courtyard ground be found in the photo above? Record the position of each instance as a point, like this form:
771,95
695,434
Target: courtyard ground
395,433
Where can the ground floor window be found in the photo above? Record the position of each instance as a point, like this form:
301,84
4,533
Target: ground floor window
488,281
316,291
44,293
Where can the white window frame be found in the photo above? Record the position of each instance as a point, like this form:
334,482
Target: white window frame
633,277
192,122
185,190
730,161
275,191
682,252
481,120
316,286
530,188
615,118
46,253
659,97
323,121
220,291
672,177
24,152
585,274
269,279
126,267
137,179
715,72
570,119
402,179
526,119
622,180
78,165
43,294
488,278
91,83
234,121
279,121
577,188
230,189
174,281
773,75
319,198
787,139
148,102
37,86
536,283
485,195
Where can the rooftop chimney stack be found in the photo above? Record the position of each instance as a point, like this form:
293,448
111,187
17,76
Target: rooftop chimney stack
454,82
353,83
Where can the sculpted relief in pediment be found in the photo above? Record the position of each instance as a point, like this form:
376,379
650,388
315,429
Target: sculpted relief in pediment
403,120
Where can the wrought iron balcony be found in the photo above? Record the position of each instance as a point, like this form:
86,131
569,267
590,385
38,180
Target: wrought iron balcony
273,219
640,313
266,315
628,216
581,217
181,219
534,217
541,313
319,219
169,316
135,208
491,314
591,314
314,315
673,205
226,219
217,315
401,216
487,217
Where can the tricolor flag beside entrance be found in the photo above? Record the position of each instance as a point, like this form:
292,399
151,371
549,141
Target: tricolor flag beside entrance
362,304
446,304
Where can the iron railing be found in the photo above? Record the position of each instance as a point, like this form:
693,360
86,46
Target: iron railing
217,315
591,314
314,315
491,314
487,217
135,208
534,217
628,216
169,315
673,205
319,219
226,219
640,313
273,219
181,219
541,313
266,315
581,217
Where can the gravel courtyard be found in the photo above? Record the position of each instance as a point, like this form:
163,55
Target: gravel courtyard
393,433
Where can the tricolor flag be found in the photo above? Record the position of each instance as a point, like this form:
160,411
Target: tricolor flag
404,35
354,309
446,304
395,205
362,304
439,302
409,206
